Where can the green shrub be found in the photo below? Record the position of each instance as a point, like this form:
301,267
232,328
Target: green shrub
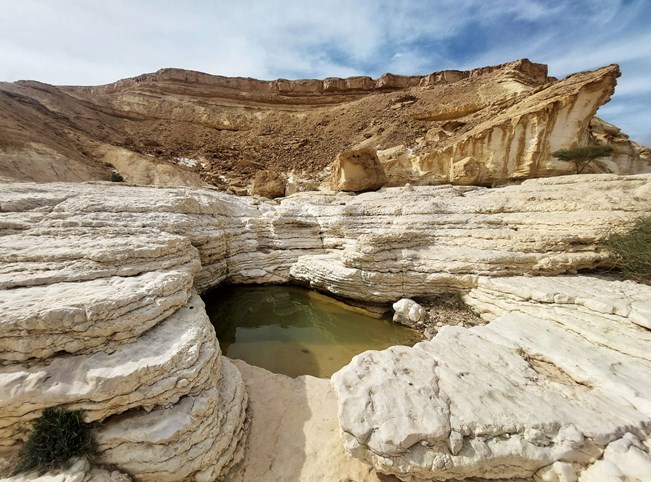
633,250
582,156
58,435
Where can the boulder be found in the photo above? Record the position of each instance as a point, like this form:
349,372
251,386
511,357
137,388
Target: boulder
466,171
396,162
267,183
408,312
357,170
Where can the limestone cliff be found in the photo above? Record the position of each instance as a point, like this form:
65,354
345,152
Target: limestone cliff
98,289
177,127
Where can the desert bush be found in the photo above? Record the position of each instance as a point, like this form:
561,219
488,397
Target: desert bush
116,176
58,435
582,156
633,250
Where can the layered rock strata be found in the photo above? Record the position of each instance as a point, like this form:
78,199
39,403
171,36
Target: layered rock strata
99,312
176,127
102,316
377,246
546,388
515,139
399,244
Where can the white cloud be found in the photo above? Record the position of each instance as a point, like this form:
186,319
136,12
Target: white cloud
93,41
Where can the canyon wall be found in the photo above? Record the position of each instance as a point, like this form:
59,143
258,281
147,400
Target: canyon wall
175,127
100,313
102,316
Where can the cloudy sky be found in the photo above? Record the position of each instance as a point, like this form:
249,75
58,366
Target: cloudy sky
89,42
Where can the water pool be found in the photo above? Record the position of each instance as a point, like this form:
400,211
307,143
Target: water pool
295,331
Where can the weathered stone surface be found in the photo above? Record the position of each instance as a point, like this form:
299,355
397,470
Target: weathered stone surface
397,164
374,247
516,142
79,316
627,458
551,379
172,359
79,471
627,157
194,439
99,315
408,312
357,170
399,243
114,210
51,255
380,246
267,183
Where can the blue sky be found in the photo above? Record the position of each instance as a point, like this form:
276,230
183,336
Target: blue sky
89,42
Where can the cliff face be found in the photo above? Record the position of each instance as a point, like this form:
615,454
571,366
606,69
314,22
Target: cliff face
517,140
177,127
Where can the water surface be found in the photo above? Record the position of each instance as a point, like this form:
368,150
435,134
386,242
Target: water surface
296,331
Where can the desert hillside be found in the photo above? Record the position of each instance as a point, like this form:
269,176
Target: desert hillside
176,127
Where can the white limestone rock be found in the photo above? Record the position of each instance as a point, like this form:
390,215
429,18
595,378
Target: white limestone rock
84,316
408,312
51,255
79,471
203,217
197,438
556,472
397,244
509,399
378,246
176,357
624,459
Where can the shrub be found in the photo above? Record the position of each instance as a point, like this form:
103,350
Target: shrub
58,435
116,176
582,156
633,250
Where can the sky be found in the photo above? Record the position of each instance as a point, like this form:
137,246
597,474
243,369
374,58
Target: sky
91,42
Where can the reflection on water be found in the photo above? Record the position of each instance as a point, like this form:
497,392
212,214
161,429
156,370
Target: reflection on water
295,331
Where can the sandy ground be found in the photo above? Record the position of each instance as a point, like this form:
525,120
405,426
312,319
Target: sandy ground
294,434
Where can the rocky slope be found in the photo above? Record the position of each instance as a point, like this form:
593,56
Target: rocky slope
100,313
176,127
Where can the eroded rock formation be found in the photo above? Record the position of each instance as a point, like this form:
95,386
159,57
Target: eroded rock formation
357,170
557,376
399,243
103,318
175,127
100,313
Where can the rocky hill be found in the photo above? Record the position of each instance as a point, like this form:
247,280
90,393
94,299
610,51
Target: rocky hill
177,127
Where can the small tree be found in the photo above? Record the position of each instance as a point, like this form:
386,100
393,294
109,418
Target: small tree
582,156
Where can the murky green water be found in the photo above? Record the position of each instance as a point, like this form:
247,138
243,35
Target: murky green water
295,331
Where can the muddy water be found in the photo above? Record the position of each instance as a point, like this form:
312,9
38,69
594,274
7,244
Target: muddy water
295,331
